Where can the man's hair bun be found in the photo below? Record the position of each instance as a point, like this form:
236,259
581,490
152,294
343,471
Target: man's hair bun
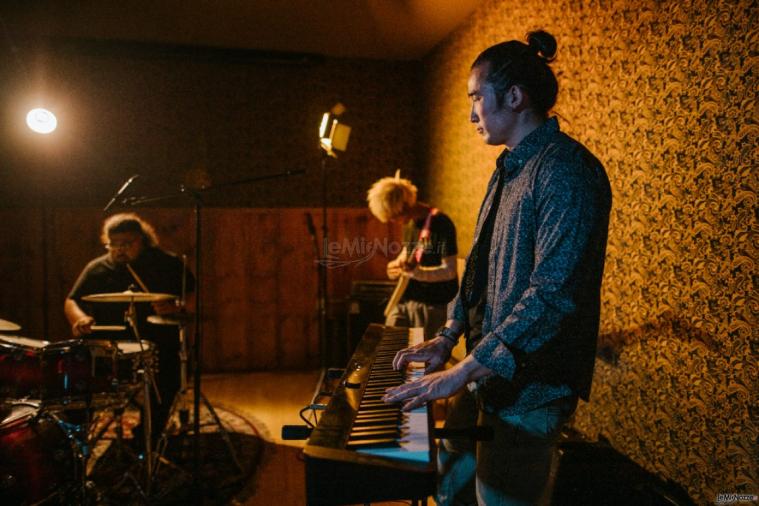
543,43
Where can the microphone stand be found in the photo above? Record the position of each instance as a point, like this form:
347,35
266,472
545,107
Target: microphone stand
322,271
120,192
196,196
196,348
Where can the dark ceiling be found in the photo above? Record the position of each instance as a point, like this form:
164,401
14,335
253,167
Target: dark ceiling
378,29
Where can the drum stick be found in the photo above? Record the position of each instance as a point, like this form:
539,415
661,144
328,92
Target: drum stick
108,328
137,278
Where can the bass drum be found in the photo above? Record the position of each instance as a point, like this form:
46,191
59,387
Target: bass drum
37,459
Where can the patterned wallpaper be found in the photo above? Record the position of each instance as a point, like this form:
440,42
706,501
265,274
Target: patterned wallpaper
664,93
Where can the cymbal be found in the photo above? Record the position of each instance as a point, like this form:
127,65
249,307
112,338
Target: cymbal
128,296
171,319
6,326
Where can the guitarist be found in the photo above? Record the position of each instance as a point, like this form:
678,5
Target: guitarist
427,260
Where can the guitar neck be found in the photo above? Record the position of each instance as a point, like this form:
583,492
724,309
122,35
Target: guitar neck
400,289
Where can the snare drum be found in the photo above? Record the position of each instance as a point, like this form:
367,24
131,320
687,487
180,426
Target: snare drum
37,459
20,369
130,359
78,373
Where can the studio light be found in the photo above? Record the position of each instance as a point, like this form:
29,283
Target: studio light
333,135
323,126
41,121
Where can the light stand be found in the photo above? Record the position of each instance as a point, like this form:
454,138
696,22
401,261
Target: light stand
333,136
322,270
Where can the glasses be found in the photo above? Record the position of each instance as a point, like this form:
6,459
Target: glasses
120,245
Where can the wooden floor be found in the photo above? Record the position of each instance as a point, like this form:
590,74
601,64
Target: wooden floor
270,400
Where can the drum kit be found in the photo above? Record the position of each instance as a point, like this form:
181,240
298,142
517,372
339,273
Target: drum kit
49,393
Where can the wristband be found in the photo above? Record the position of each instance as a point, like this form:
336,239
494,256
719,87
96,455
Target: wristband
448,333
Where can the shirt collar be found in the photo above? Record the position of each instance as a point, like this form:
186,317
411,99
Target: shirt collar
511,161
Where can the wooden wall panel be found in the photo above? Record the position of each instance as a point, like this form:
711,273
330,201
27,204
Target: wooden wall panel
296,291
21,269
258,274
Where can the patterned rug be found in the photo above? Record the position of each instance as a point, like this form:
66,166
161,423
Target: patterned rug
227,461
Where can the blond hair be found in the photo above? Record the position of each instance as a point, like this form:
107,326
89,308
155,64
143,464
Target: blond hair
390,197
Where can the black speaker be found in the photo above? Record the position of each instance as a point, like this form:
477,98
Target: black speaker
595,474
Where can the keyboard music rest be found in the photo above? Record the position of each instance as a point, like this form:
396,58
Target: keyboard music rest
346,462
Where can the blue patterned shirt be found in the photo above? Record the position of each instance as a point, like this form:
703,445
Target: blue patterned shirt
541,306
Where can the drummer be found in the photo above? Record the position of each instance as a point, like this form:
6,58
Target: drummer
134,262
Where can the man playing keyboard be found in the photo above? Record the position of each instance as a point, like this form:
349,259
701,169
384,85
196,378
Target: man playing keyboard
529,302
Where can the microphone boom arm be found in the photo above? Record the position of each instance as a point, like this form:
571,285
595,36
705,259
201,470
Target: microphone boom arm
118,193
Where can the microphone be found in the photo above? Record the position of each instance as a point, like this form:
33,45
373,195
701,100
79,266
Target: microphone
476,433
121,190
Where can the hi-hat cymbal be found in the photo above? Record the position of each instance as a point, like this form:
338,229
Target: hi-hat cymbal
6,326
128,296
171,319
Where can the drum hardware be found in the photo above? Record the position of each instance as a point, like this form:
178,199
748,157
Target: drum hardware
130,357
77,435
144,372
179,403
137,472
123,452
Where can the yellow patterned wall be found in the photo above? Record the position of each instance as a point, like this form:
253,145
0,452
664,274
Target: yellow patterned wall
664,93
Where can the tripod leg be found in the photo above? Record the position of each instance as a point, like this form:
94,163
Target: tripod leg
163,440
147,429
223,432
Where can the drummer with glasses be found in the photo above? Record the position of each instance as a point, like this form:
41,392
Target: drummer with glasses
129,240
134,261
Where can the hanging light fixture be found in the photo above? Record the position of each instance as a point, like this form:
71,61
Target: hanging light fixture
41,121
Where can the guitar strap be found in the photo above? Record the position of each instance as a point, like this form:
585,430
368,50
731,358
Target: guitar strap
402,284
424,234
